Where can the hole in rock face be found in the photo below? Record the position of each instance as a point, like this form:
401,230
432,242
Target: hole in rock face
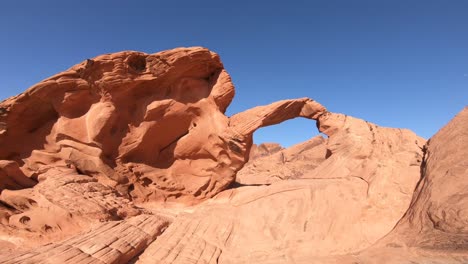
137,63
131,187
32,202
79,171
287,133
46,228
25,220
114,214
146,181
328,154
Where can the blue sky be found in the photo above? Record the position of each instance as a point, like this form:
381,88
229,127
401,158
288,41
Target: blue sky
396,63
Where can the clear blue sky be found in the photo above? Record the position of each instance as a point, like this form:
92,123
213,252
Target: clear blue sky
396,63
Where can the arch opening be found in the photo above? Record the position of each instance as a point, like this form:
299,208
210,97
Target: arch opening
284,151
287,133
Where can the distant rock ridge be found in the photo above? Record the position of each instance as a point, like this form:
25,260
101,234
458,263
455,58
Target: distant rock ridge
263,149
129,157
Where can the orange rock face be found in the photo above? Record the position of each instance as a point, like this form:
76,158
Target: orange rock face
324,197
129,157
152,126
434,229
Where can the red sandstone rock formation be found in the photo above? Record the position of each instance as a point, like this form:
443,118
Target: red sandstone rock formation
152,126
111,242
123,128
349,199
141,143
435,227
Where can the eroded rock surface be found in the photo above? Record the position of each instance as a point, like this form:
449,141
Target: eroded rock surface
62,204
434,229
152,126
129,157
111,242
325,211
82,146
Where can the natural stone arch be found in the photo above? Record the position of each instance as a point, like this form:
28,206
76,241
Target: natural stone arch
247,122
152,126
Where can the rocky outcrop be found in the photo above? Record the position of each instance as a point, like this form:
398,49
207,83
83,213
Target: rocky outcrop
120,129
152,126
434,229
438,215
327,211
111,242
129,157
62,204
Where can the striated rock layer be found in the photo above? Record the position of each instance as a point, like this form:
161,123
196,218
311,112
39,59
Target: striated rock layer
129,158
111,242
